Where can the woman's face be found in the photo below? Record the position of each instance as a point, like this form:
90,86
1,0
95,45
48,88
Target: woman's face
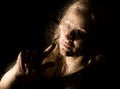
72,33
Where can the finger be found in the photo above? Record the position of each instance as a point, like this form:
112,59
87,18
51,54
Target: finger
20,63
29,60
24,62
48,50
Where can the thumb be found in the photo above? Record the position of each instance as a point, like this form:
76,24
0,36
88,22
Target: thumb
22,67
48,50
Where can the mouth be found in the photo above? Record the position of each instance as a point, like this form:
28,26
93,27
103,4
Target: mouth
67,46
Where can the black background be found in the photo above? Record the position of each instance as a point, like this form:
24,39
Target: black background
23,26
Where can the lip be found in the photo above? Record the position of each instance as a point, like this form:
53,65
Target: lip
67,46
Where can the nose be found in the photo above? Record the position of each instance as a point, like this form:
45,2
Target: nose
75,34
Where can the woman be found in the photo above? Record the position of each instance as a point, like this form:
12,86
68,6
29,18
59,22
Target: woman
68,63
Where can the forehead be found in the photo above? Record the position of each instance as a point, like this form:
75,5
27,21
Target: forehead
78,17
74,16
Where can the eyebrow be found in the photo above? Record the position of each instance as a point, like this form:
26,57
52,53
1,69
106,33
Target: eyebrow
70,24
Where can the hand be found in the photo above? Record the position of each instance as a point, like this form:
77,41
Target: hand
30,60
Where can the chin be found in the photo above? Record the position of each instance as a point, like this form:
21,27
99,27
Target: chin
66,53
63,53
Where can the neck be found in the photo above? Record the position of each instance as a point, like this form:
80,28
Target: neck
73,64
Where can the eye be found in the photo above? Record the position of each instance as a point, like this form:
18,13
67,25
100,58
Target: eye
66,25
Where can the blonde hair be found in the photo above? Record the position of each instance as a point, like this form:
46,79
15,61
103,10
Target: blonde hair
83,7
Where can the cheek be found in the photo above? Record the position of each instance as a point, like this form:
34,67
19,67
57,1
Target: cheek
64,32
61,40
62,36
78,43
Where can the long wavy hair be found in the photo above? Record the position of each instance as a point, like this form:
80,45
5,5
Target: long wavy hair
92,55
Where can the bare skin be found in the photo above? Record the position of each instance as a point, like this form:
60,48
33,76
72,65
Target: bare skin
71,40
73,65
20,68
